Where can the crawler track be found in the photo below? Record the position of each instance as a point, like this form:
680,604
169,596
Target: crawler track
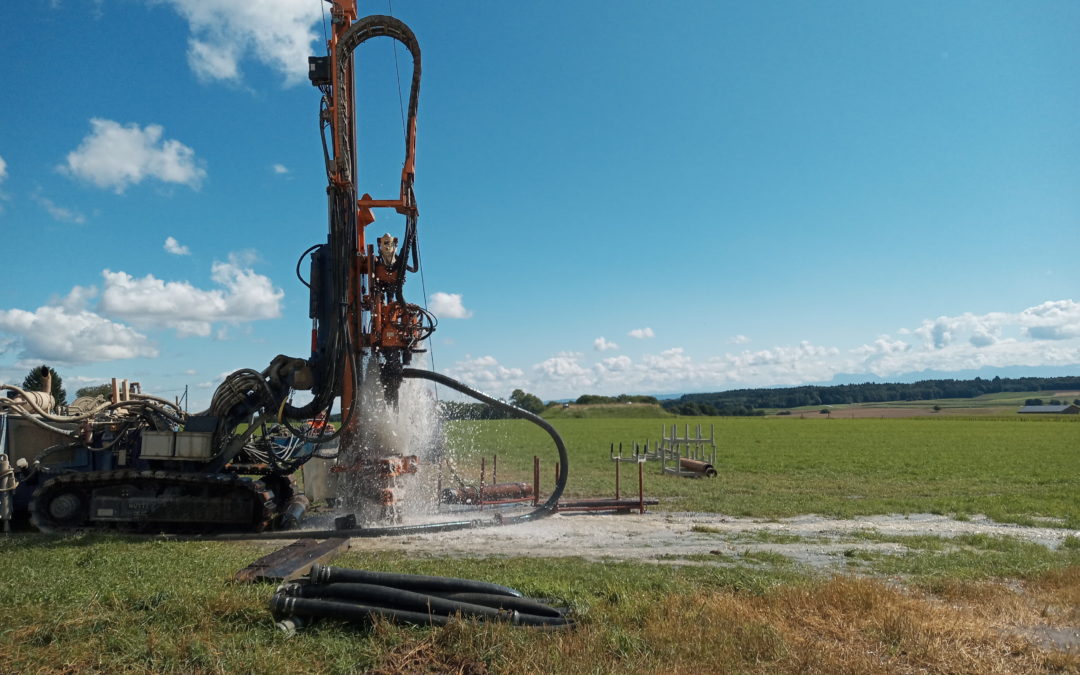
152,502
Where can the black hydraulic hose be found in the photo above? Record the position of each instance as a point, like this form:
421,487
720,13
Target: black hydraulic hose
300,261
413,582
552,502
365,29
545,509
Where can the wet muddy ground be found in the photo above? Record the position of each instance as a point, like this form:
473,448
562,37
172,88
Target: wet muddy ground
815,541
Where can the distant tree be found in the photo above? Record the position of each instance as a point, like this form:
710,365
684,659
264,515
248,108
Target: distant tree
1033,401
817,396
825,411
1076,401
937,408
527,401
103,390
36,377
457,410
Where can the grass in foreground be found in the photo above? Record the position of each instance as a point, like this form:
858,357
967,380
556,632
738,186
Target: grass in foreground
93,604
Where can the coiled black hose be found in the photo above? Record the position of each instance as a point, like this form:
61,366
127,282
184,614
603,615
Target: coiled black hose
418,582
407,598
384,596
526,605
285,606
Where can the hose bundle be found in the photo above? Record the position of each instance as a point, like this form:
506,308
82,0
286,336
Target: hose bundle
358,596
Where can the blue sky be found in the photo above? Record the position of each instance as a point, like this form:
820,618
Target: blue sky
614,197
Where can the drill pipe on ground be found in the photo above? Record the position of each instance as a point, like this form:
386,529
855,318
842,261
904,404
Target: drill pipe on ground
294,511
697,466
496,492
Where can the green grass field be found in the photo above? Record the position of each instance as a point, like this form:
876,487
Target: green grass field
1017,469
110,604
115,605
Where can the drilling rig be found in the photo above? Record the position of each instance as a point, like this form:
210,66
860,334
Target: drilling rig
136,462
363,327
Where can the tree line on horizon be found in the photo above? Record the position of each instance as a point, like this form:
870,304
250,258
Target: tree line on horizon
748,401
733,402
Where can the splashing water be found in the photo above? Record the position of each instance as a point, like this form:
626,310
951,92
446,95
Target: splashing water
412,428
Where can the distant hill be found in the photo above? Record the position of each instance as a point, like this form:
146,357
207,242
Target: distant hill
605,410
751,401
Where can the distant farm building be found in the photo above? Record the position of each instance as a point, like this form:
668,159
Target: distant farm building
1070,409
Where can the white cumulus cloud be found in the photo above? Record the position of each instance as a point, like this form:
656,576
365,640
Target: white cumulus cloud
642,333
1047,334
564,372
1055,320
448,306
277,33
56,333
243,296
600,344
739,340
77,298
174,247
279,169
117,156
488,375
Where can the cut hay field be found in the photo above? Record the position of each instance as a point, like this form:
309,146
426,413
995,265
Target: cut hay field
999,404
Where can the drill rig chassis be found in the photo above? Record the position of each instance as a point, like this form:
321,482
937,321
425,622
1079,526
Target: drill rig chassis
138,463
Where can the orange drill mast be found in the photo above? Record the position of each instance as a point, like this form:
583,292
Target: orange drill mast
357,305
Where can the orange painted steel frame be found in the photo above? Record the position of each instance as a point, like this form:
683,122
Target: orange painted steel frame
384,316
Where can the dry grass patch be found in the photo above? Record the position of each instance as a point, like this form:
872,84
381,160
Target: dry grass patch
843,625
